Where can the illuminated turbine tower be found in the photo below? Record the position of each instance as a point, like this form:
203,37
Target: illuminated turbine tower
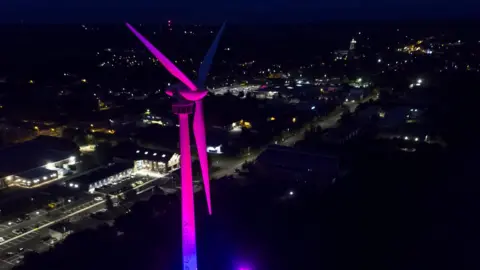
186,96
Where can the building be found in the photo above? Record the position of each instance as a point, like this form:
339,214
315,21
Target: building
342,134
151,119
37,162
287,163
153,160
353,43
101,177
60,230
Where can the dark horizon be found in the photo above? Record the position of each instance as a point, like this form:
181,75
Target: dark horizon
243,14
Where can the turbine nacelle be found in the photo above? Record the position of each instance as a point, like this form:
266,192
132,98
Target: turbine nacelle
193,95
187,94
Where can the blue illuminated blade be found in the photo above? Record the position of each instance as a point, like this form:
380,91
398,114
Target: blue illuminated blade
207,61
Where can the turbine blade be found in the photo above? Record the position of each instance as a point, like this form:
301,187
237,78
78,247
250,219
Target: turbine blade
207,60
199,133
164,60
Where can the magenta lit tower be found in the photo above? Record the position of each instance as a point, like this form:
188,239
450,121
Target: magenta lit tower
189,100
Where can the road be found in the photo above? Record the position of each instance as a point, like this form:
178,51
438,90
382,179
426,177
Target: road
228,166
39,223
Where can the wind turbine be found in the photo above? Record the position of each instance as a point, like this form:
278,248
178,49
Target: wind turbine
186,97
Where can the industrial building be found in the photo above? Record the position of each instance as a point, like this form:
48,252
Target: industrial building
101,177
37,162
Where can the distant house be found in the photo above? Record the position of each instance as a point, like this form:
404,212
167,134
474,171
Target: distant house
341,134
407,132
287,163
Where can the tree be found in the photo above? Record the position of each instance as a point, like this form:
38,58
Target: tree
103,153
157,190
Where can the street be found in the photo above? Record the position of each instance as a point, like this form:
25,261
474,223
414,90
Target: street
37,226
228,166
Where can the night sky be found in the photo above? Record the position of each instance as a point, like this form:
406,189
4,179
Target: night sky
233,10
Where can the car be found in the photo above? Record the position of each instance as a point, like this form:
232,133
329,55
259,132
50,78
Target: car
20,231
19,220
2,239
237,170
98,199
9,254
21,249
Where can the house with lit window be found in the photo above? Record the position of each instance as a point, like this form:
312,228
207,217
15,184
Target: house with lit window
153,160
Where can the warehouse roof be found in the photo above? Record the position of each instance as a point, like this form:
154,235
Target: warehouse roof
34,153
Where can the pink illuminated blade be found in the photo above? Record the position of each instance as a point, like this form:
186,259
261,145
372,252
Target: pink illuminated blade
164,60
199,133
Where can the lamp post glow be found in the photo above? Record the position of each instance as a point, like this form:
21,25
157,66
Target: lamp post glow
187,96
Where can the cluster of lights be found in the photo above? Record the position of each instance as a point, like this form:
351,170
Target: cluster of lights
406,138
72,185
154,154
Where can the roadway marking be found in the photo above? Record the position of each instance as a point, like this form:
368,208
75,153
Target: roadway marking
7,262
51,223
67,216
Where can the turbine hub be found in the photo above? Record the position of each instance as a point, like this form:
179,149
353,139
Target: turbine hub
193,95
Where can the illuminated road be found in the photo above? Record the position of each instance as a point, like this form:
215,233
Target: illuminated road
228,166
39,222
38,225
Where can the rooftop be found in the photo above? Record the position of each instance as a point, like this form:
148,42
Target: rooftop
102,173
133,152
62,227
37,173
34,153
